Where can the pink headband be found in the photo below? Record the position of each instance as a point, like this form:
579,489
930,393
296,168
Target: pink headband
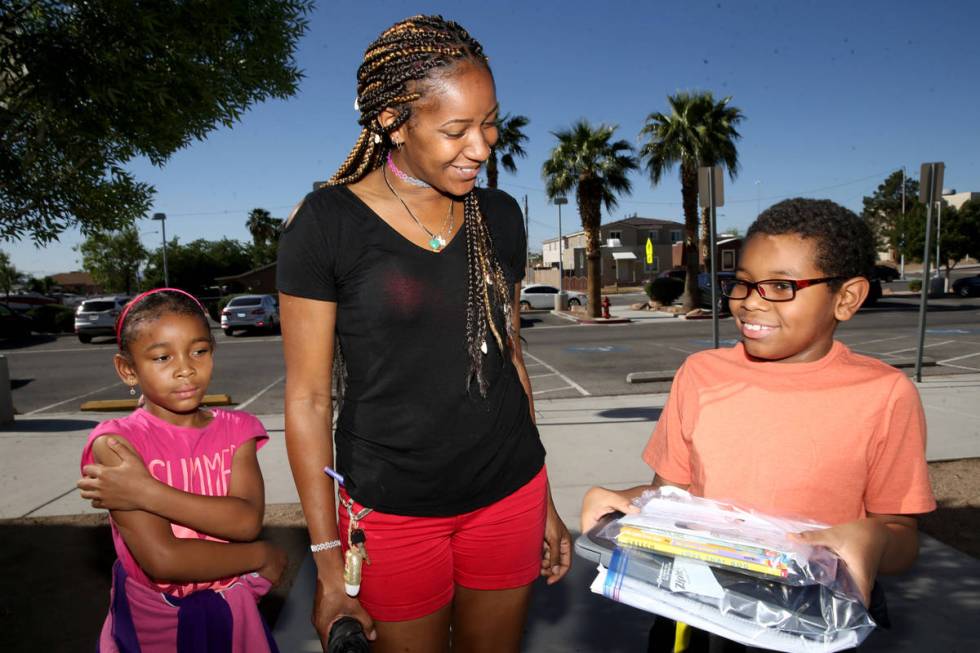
140,297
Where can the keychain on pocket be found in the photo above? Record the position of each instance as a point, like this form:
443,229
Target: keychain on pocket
356,554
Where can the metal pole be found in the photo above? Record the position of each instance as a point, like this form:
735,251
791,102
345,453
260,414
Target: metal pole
939,232
901,267
166,273
712,246
527,241
561,256
924,295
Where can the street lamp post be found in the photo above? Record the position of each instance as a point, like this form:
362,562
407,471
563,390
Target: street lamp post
162,217
560,297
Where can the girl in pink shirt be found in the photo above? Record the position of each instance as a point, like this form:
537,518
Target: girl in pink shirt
184,491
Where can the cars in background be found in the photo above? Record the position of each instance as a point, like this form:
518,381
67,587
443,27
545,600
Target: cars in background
250,313
967,286
540,295
13,324
704,283
97,316
673,273
886,273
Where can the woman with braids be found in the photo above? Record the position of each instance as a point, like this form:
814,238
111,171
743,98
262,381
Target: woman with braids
401,276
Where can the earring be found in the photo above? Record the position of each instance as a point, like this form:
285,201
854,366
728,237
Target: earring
132,391
399,144
377,138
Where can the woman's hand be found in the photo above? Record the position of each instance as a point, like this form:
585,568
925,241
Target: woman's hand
330,603
275,564
119,487
556,554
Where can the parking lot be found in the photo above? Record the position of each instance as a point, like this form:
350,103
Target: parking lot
56,374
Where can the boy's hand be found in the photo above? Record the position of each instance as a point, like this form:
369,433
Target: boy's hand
119,487
860,544
599,501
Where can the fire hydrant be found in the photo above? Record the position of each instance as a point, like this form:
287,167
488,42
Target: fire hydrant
605,308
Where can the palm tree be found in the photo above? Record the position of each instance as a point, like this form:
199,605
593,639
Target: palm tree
510,138
262,226
697,132
586,159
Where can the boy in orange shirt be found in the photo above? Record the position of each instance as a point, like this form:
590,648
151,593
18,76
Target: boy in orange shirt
791,422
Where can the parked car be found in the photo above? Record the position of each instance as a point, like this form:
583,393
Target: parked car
97,317
704,283
673,273
967,286
250,313
886,273
539,295
13,324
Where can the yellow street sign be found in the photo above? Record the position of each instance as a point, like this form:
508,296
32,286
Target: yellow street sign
649,251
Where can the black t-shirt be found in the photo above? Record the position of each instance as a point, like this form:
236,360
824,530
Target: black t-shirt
411,438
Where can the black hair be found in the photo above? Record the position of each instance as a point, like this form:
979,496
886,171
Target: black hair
398,67
845,246
153,306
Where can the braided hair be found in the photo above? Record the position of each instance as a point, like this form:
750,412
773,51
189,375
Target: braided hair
395,73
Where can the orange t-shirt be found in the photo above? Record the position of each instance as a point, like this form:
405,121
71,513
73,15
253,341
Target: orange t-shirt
829,440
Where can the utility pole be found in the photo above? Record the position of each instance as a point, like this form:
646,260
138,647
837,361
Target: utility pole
901,267
527,240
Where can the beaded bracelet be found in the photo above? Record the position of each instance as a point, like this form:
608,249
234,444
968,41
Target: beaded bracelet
323,546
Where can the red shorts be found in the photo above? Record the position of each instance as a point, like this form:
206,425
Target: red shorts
416,562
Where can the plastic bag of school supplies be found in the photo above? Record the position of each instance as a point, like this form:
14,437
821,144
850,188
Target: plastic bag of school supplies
731,572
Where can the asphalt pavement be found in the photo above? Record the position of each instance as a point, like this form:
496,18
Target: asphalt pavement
590,441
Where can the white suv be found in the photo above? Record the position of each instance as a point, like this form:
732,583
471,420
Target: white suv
97,316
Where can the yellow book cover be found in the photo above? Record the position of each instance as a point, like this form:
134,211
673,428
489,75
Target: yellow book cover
634,537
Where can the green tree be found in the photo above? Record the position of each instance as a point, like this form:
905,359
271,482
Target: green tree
510,140
40,285
9,275
588,160
960,235
697,132
900,233
265,236
113,259
87,86
194,266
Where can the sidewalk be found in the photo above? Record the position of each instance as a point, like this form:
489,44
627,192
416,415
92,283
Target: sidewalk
591,441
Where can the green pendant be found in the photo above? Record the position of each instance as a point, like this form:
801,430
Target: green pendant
435,243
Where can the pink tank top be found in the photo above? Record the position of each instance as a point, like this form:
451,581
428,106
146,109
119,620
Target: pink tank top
196,460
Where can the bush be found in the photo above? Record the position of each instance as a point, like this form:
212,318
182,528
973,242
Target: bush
52,318
916,285
664,290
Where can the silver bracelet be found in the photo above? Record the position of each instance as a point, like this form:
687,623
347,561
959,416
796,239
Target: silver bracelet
323,546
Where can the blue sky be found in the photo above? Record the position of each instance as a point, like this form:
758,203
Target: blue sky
836,95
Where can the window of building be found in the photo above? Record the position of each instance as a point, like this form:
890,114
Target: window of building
616,234
676,236
651,267
728,259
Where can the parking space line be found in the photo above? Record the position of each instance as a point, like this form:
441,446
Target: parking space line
899,351
538,376
961,367
259,393
76,397
583,391
541,392
59,351
868,342
958,358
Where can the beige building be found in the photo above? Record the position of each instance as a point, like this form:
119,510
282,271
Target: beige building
623,249
957,200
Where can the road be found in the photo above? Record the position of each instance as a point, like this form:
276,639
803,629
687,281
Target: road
52,375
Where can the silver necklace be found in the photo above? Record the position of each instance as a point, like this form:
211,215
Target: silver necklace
436,240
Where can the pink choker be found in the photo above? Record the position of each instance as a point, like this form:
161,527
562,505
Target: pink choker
404,177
